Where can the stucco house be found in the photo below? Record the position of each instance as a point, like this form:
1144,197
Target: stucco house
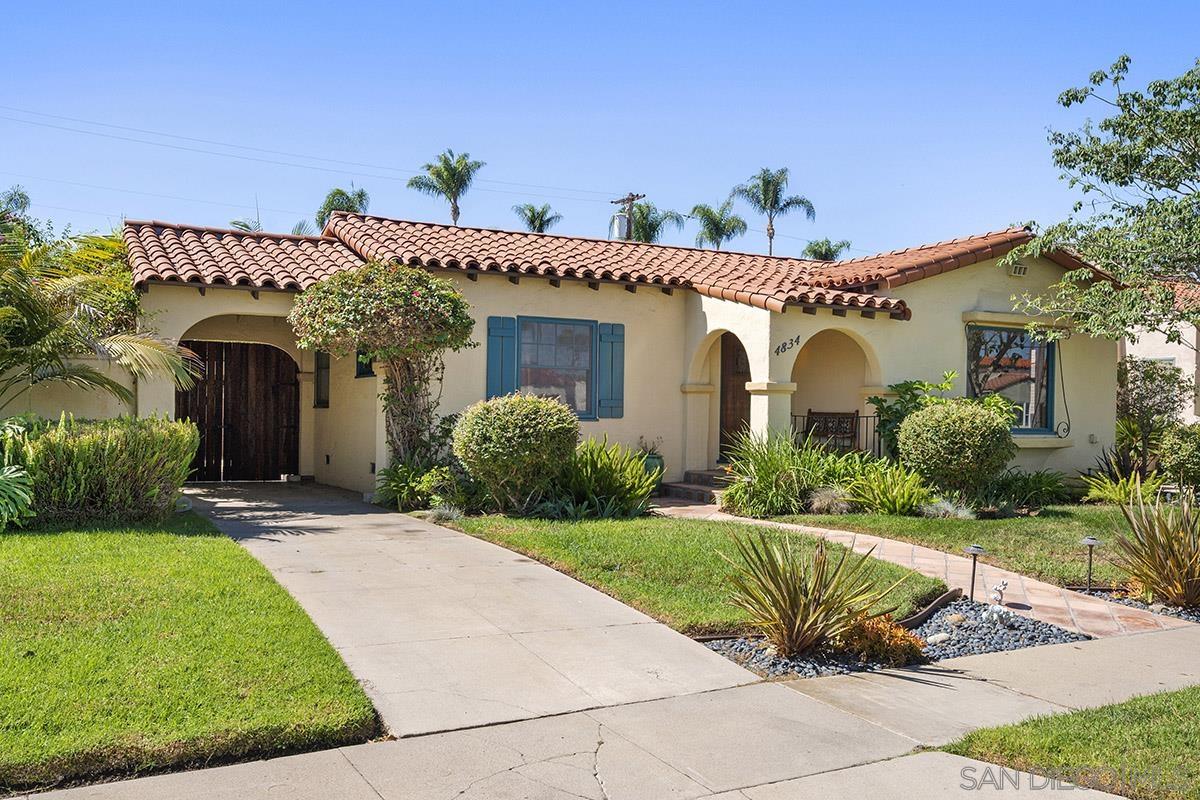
1153,345
642,340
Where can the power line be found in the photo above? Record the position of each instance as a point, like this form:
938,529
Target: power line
271,152
295,165
150,194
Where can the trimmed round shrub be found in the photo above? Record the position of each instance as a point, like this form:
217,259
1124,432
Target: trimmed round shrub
516,446
1179,455
957,446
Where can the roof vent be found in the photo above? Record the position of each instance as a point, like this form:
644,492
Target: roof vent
618,227
1018,269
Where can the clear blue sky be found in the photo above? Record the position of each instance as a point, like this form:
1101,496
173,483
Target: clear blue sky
903,123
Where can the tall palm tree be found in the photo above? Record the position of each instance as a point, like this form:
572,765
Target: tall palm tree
537,219
765,194
448,177
649,222
338,199
825,249
717,225
51,297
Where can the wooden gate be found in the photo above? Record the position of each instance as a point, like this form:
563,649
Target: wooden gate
247,406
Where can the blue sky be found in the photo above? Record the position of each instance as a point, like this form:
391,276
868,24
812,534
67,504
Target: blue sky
903,123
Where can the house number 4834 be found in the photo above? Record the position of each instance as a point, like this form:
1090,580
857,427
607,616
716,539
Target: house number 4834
788,344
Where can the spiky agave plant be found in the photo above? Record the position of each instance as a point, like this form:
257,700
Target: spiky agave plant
802,599
1161,553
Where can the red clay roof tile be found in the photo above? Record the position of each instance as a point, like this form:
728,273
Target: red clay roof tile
161,251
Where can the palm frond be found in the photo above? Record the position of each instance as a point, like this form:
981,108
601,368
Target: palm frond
145,355
303,228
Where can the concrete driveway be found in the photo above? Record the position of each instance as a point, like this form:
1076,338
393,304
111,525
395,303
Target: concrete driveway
446,631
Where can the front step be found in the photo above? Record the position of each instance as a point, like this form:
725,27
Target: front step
695,492
706,477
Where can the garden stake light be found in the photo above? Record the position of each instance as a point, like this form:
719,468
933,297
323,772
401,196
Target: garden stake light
975,551
1091,542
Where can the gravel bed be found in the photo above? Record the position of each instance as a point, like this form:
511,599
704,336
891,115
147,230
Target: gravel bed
1190,614
963,620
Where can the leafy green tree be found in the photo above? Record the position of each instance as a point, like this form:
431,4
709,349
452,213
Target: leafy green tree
717,225
765,192
14,210
1138,221
449,177
71,298
649,222
402,318
825,249
537,219
355,201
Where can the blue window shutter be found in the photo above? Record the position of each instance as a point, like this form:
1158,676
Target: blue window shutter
501,356
610,378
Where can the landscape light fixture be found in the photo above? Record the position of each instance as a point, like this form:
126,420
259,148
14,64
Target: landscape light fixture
1091,543
975,551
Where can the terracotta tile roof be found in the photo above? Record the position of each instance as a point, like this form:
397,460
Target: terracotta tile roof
163,251
160,251
763,281
889,270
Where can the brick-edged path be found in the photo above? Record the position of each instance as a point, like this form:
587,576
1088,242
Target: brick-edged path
1033,598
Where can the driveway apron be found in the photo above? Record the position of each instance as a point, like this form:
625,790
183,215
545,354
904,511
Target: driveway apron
446,631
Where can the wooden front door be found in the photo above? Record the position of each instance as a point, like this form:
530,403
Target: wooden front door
735,400
247,407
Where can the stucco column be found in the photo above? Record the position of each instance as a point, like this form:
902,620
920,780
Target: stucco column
697,401
308,421
770,406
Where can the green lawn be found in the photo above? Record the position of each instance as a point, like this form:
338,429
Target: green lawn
1046,546
668,568
136,649
1144,748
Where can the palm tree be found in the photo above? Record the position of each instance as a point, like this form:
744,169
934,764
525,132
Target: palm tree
764,192
825,249
247,224
449,177
717,225
537,219
52,298
649,222
303,228
355,201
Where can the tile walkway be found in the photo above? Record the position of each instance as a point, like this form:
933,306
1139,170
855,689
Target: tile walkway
1046,602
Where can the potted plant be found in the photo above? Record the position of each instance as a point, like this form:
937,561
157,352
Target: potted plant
652,458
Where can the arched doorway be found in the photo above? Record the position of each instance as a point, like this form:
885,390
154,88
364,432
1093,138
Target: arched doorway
247,407
831,372
734,398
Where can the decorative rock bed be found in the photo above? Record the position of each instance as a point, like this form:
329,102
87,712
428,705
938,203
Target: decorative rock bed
1113,596
961,628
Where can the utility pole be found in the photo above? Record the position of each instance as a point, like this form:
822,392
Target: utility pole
627,201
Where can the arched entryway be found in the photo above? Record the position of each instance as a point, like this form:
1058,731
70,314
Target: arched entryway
833,374
247,407
734,412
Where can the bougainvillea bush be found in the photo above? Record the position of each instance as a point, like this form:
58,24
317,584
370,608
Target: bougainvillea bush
405,320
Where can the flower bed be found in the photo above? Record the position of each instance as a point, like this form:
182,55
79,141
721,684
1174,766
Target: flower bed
1189,614
962,620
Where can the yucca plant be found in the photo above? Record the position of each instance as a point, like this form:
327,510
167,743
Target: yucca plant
889,488
1162,551
802,599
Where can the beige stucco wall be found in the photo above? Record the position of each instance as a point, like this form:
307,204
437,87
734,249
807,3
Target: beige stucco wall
52,399
1182,355
934,341
672,365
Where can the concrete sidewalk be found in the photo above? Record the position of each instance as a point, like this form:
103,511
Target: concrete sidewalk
1033,598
